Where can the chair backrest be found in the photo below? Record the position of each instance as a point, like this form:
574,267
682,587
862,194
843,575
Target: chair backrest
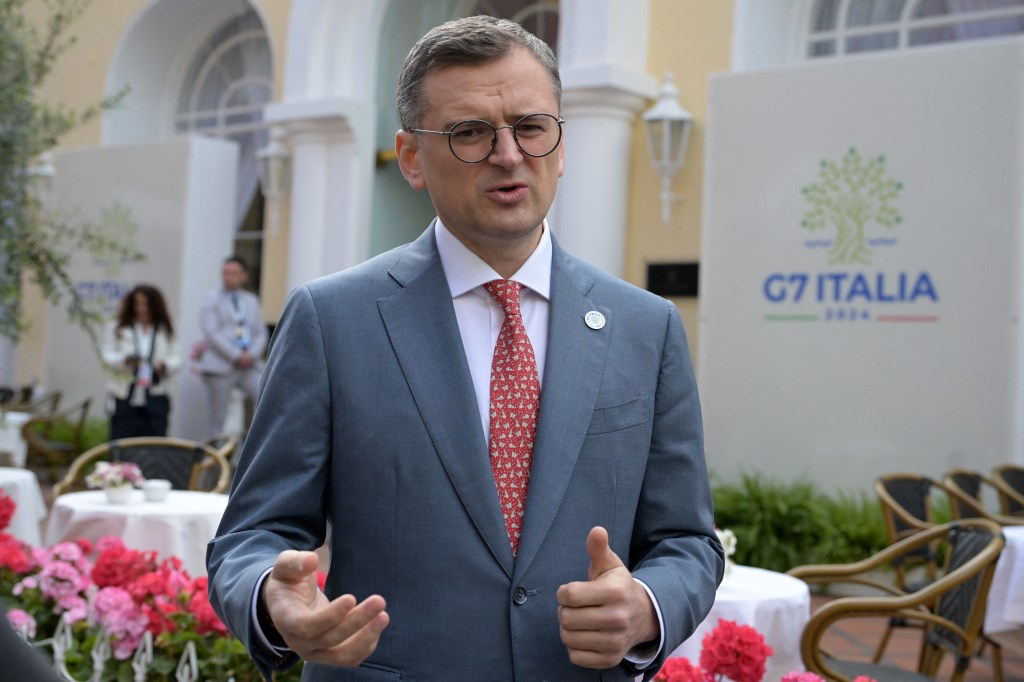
963,603
906,501
22,401
966,497
40,431
187,464
226,443
1009,479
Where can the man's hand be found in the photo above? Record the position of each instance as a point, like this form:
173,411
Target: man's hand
605,617
338,632
244,360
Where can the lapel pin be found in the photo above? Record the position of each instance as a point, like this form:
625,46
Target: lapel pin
594,319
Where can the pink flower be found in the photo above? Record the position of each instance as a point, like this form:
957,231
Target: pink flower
115,610
108,542
59,579
75,608
22,621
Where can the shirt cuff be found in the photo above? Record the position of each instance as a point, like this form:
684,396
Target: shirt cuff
641,658
260,635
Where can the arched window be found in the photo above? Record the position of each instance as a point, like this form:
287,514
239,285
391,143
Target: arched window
539,17
840,27
225,89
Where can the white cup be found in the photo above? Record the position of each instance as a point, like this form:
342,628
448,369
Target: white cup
156,489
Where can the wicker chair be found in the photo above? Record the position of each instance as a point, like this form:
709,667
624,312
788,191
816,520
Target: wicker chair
951,609
908,507
20,400
1009,481
967,493
41,435
187,464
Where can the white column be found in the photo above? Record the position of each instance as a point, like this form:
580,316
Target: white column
332,168
603,51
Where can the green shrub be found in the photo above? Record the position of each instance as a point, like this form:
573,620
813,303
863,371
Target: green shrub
857,528
779,525
96,431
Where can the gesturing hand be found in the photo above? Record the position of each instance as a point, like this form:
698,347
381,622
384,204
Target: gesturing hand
338,632
609,614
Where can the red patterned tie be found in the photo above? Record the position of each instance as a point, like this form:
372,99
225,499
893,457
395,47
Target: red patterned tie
515,399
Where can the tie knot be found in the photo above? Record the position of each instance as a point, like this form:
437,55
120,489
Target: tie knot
506,293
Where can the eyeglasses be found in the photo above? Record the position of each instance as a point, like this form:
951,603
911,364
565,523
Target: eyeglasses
473,141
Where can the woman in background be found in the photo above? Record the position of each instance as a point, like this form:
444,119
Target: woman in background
140,354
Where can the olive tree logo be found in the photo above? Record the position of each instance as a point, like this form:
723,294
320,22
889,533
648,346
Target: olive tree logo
851,194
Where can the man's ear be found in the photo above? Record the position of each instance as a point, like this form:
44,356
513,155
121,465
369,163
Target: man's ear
407,150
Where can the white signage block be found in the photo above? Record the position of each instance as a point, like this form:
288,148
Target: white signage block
862,266
180,194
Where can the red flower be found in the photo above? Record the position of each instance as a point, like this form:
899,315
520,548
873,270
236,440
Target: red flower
321,580
734,651
7,507
206,618
679,670
118,566
15,555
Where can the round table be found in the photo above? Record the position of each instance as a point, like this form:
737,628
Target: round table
22,486
11,441
179,526
1005,606
775,604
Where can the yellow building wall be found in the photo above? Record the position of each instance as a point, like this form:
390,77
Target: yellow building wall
78,80
692,39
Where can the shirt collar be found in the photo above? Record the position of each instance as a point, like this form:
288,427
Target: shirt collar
465,271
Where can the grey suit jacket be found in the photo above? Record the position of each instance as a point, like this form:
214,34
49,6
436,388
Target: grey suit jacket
367,418
217,321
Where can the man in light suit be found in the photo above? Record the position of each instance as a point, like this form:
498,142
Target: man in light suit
377,416
232,323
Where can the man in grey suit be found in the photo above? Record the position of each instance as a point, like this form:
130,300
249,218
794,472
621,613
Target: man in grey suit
382,414
231,319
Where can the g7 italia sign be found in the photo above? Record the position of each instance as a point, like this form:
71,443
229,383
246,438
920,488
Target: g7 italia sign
851,212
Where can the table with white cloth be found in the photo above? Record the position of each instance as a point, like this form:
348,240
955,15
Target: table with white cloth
12,445
1005,610
180,526
775,604
22,486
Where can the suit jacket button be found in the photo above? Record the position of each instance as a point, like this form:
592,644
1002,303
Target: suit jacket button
519,596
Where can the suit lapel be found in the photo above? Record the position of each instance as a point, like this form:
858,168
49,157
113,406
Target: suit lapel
576,356
424,333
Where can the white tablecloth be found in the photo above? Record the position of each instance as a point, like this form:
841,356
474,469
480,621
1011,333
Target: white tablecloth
179,526
10,436
22,486
776,604
1005,609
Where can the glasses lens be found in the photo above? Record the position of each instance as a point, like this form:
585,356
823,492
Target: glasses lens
538,134
472,141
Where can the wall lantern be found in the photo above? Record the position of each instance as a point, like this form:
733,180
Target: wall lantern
275,174
668,133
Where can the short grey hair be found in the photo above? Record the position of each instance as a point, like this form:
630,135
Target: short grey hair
467,41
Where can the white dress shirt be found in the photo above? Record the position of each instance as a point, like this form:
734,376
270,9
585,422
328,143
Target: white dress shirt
479,315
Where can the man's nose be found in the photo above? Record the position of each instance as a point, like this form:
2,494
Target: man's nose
506,150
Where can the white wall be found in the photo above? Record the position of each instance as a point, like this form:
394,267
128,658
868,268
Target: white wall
181,195
844,390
